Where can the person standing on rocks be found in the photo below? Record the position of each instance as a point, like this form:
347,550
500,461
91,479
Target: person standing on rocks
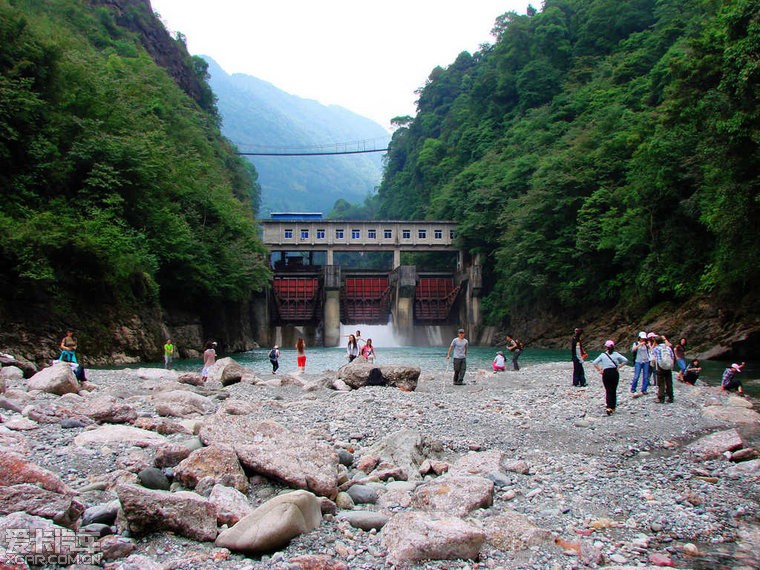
274,358
301,355
352,349
578,355
680,352
459,347
209,359
168,353
515,347
664,359
609,363
68,347
640,351
651,343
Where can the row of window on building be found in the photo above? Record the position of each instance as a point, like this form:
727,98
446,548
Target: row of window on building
340,234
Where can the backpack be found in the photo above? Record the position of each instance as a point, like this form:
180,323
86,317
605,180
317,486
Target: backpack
520,344
273,354
665,358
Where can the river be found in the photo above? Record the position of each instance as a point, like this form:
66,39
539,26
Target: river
433,359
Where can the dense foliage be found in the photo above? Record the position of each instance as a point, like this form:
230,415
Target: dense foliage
116,186
600,152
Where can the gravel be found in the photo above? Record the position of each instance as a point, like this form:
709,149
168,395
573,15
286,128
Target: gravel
621,485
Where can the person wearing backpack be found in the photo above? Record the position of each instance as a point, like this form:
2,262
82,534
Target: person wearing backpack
274,358
664,359
609,364
515,347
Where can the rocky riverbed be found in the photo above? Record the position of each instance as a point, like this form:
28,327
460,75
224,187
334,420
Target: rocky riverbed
512,470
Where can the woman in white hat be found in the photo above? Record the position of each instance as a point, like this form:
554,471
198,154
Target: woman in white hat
609,364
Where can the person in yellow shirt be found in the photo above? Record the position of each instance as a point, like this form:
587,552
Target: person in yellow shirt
168,353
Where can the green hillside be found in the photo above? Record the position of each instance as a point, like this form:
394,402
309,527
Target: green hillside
257,114
600,153
118,190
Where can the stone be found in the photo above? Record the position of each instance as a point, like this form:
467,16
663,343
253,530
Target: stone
357,375
28,368
732,414
62,509
107,409
153,478
218,462
512,531
183,404
231,505
274,524
170,455
455,494
269,449
365,520
714,445
161,425
186,513
414,536
116,547
344,501
101,514
17,470
403,449
119,434
231,372
191,378
362,494
57,379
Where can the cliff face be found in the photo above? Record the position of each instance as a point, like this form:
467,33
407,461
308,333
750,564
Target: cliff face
137,16
712,330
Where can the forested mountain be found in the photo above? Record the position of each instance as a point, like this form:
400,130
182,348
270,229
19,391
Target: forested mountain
600,153
257,114
122,204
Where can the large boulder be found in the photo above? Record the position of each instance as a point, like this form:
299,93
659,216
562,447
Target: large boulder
269,449
62,509
219,462
359,374
188,514
119,434
716,444
107,409
18,470
231,372
57,379
414,536
27,368
272,525
454,494
183,404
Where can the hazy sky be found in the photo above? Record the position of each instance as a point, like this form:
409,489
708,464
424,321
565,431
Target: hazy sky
366,56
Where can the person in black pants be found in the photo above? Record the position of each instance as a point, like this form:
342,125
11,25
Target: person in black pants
516,348
578,355
608,364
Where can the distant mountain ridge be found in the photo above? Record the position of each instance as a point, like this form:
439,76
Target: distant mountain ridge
257,113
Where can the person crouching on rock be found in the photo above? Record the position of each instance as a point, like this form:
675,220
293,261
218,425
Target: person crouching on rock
609,363
499,363
730,382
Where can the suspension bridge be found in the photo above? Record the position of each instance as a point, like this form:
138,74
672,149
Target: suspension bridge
354,147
